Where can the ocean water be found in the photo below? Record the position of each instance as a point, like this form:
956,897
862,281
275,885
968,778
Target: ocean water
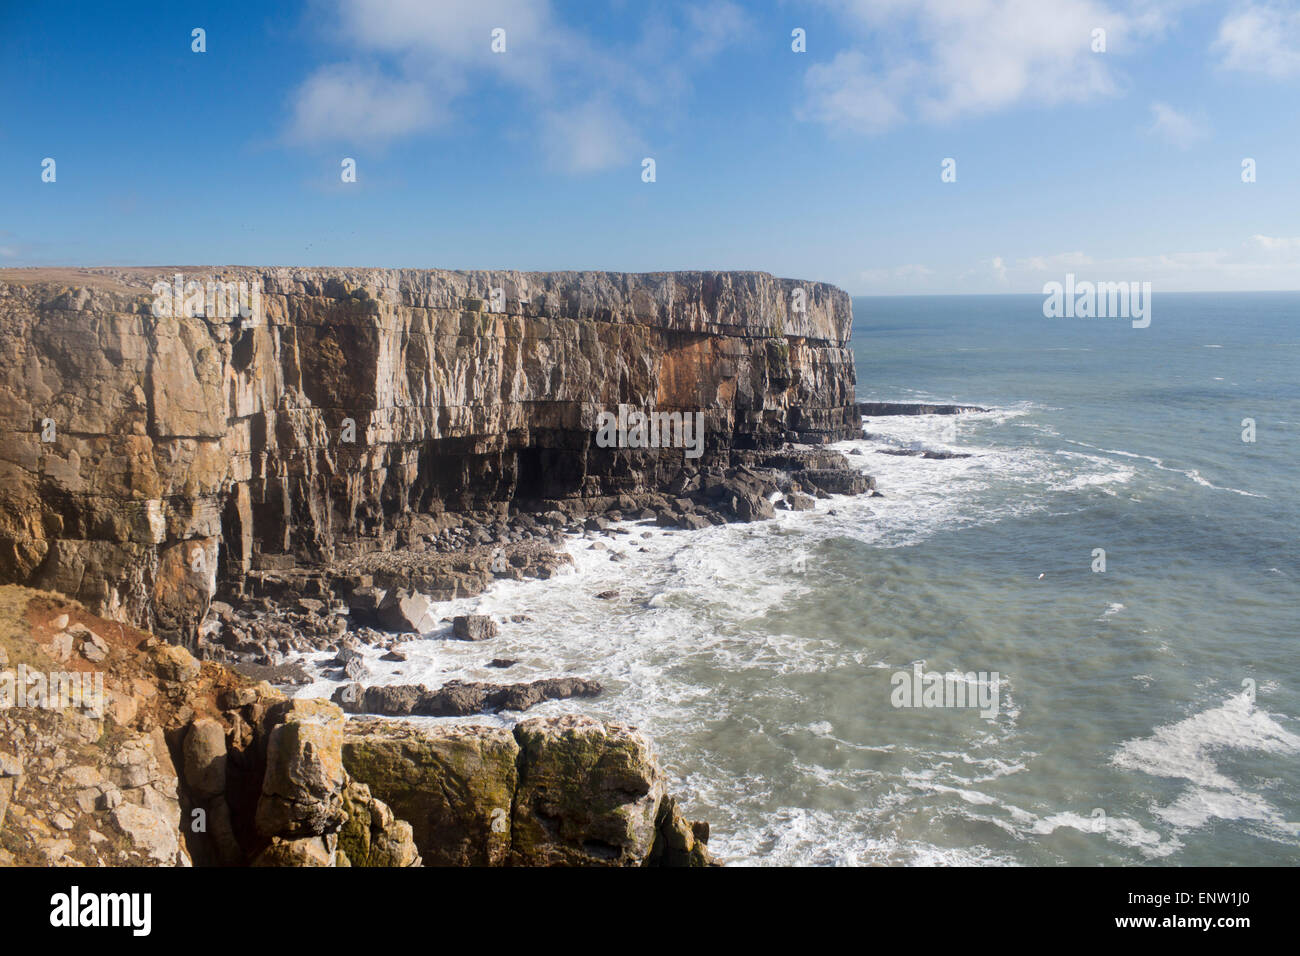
1147,714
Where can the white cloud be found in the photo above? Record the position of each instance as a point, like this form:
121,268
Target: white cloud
971,57
588,137
846,94
1281,245
413,60
1176,127
347,101
1056,263
1261,38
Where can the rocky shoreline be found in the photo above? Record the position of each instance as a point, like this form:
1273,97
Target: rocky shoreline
385,599
193,477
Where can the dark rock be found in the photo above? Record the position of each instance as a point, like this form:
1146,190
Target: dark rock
473,627
750,507
459,698
878,409
280,674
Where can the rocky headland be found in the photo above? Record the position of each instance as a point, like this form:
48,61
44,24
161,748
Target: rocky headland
316,473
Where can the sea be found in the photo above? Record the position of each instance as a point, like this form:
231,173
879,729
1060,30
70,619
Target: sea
1115,567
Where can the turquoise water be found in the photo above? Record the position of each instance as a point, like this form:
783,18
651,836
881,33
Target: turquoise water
1147,714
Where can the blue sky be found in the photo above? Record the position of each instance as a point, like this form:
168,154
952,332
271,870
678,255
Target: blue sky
1116,165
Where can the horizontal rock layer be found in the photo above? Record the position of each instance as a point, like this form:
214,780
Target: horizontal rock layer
145,459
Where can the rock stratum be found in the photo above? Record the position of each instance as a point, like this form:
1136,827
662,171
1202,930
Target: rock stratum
149,462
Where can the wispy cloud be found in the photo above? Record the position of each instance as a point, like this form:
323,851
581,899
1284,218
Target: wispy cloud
1177,128
412,62
965,57
848,94
588,137
1261,38
349,102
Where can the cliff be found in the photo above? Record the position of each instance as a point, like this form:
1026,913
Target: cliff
148,461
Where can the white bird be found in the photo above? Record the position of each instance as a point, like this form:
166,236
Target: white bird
1042,575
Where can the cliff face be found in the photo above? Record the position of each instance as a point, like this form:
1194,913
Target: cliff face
146,458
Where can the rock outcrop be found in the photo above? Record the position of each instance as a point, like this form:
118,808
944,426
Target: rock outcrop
148,461
160,759
557,791
459,698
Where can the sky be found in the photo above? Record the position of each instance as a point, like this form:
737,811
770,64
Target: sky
826,163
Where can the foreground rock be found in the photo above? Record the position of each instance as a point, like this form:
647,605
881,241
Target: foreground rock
558,791
160,759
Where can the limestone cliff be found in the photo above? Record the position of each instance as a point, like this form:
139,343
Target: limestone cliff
147,459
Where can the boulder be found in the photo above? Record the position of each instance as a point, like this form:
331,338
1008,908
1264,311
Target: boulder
678,842
473,627
454,784
204,759
372,836
305,851
303,786
153,832
589,794
404,610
